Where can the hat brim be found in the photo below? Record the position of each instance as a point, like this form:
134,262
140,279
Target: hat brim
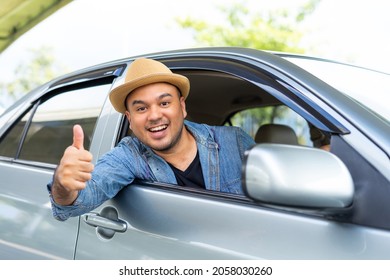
119,94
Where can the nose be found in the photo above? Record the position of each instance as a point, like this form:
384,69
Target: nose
154,113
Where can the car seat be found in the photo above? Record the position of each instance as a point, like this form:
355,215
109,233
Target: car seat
276,133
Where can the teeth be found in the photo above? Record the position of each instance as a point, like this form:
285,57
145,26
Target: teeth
158,128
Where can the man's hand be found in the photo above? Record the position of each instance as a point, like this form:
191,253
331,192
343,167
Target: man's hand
74,170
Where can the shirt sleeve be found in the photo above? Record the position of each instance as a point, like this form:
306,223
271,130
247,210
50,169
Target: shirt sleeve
61,212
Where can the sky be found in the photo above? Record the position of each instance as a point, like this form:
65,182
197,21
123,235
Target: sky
89,32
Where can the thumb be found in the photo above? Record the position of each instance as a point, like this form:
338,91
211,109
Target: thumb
78,137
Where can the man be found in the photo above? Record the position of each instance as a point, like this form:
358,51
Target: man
165,147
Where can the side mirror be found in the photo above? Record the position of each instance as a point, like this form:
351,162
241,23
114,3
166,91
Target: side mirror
296,176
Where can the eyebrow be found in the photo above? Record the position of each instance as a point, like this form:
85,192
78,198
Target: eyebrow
135,102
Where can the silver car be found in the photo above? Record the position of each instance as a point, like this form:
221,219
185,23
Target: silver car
300,202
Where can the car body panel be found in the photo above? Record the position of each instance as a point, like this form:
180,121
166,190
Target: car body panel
28,230
191,226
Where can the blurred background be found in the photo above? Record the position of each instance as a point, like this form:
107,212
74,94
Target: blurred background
71,35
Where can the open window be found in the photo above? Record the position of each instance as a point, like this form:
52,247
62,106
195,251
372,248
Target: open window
220,98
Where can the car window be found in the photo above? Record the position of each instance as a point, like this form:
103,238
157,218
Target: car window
45,131
250,121
9,145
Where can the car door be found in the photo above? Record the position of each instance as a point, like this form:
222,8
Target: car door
30,149
159,221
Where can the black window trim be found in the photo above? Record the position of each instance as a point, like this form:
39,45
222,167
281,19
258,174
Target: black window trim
25,129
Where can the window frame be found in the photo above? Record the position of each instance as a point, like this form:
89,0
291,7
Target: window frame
31,102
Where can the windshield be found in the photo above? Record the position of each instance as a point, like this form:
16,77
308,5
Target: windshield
370,88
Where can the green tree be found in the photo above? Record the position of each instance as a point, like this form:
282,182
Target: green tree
275,30
40,69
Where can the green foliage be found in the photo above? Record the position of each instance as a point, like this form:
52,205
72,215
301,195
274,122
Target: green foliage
39,70
276,30
273,30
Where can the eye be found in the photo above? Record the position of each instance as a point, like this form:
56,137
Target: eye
165,103
141,109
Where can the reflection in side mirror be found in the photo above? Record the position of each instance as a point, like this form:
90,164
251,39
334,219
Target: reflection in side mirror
296,176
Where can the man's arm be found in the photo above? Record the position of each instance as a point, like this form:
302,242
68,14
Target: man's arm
73,171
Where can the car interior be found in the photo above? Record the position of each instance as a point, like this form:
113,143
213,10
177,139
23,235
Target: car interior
218,98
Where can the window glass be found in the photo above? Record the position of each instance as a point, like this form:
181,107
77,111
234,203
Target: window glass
251,119
9,146
50,131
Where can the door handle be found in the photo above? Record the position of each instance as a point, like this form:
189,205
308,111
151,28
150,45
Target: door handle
94,219
107,222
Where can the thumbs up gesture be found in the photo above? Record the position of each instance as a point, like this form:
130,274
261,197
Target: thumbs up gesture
78,137
74,170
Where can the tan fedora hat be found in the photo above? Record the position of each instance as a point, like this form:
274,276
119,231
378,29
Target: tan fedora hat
144,71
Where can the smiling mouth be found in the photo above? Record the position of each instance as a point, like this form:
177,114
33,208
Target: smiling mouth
158,128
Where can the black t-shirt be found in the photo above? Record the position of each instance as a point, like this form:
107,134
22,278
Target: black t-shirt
192,176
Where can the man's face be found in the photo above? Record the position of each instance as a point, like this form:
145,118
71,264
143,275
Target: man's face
156,115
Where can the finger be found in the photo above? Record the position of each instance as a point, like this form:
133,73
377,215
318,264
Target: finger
79,185
75,181
78,137
86,167
83,177
85,155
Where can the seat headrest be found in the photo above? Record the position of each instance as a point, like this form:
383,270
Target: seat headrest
276,133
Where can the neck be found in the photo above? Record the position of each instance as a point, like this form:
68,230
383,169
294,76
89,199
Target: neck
183,153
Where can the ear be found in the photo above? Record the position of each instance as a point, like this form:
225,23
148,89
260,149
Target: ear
127,114
183,106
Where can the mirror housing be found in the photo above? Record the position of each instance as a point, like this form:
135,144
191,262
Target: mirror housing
296,176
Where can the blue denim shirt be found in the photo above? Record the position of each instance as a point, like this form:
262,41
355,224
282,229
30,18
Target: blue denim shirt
221,152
